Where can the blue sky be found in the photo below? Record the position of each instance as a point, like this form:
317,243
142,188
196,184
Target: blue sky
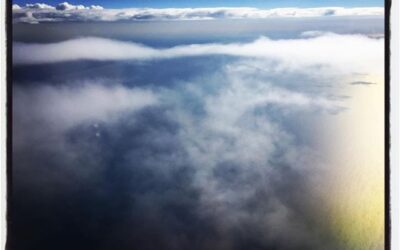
214,3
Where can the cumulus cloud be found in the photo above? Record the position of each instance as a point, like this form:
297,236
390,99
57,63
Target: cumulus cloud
68,12
96,7
39,6
16,7
67,6
328,49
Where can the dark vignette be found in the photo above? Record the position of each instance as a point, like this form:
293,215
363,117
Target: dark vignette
388,4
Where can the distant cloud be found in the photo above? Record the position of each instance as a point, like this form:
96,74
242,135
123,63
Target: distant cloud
69,12
313,33
39,6
362,83
96,7
328,49
67,6
16,7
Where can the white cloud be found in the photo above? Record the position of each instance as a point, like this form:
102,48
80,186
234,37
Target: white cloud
345,52
68,12
67,6
96,7
16,7
235,134
313,33
65,107
39,6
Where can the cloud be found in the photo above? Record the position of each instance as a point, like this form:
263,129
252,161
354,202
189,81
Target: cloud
68,12
233,143
38,6
223,159
235,148
16,7
208,157
362,83
66,107
67,6
328,49
313,33
96,7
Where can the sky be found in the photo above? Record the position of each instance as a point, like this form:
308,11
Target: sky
218,3
66,12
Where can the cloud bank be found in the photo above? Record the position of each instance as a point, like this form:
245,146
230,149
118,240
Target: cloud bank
38,12
326,49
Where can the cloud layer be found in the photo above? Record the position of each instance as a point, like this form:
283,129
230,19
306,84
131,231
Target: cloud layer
325,49
36,13
182,153
206,162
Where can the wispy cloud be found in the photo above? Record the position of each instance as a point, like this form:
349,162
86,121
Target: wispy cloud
362,83
38,12
223,164
66,107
